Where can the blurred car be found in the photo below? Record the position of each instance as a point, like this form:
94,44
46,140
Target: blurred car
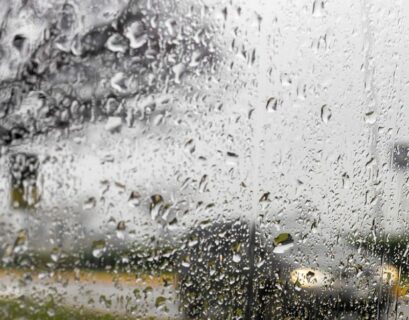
232,270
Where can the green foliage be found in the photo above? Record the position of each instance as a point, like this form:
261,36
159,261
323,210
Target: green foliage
49,310
392,248
152,260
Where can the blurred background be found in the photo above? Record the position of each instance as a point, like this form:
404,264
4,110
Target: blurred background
128,125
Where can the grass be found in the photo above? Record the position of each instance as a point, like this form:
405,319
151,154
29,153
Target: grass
16,309
149,266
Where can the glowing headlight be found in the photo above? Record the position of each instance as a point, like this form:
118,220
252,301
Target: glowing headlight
309,278
390,274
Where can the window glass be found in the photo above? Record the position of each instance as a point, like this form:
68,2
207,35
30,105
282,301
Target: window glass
24,174
164,159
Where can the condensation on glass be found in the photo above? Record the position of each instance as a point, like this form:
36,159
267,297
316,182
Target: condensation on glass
164,159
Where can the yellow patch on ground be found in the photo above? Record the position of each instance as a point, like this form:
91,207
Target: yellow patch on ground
401,291
86,276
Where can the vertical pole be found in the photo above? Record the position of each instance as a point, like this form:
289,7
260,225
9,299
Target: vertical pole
250,284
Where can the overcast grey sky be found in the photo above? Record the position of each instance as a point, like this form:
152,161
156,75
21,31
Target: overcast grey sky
334,74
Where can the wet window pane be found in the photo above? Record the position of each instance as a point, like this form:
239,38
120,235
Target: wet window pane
165,159
24,173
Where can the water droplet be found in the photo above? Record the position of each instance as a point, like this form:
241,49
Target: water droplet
20,244
285,80
236,258
318,8
224,13
171,27
55,255
113,124
136,35
120,234
157,206
190,146
158,119
346,184
272,104
283,243
43,275
156,199
179,70
186,262
119,82
98,248
326,114
203,184
105,301
282,238
121,226
265,197
370,117
51,312
134,199
160,301
314,226
193,242
282,248
111,105
197,56
89,204
68,17
232,154
116,43
7,252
